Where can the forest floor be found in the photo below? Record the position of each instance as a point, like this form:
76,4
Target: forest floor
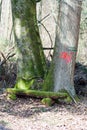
30,114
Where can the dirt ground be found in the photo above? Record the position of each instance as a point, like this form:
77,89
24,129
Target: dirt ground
30,114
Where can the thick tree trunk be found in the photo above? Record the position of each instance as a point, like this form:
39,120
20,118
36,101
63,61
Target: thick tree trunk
66,45
31,59
61,73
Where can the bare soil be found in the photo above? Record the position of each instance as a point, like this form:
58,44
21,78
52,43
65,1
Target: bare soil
30,114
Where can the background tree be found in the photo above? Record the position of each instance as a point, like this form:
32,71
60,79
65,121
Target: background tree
7,50
82,47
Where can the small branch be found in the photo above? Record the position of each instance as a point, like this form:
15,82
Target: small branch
9,52
10,56
3,58
44,18
48,48
4,61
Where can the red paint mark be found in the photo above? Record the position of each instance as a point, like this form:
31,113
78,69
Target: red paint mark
66,56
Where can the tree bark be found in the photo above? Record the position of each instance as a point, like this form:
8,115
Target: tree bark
67,35
31,59
60,76
6,24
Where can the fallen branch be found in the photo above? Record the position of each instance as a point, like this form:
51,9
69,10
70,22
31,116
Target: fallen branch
37,94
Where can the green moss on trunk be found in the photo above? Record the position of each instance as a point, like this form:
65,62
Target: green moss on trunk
31,59
48,82
23,84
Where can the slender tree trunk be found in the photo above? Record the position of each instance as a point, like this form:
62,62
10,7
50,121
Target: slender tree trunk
31,59
5,23
66,45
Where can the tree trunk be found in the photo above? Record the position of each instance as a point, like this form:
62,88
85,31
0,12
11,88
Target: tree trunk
5,24
31,59
66,45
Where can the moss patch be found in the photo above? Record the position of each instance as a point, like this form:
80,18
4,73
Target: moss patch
12,96
47,101
68,100
37,94
24,84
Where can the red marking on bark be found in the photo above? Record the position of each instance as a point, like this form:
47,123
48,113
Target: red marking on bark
66,56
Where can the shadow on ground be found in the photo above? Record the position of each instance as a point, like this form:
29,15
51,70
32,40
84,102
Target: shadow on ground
2,127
